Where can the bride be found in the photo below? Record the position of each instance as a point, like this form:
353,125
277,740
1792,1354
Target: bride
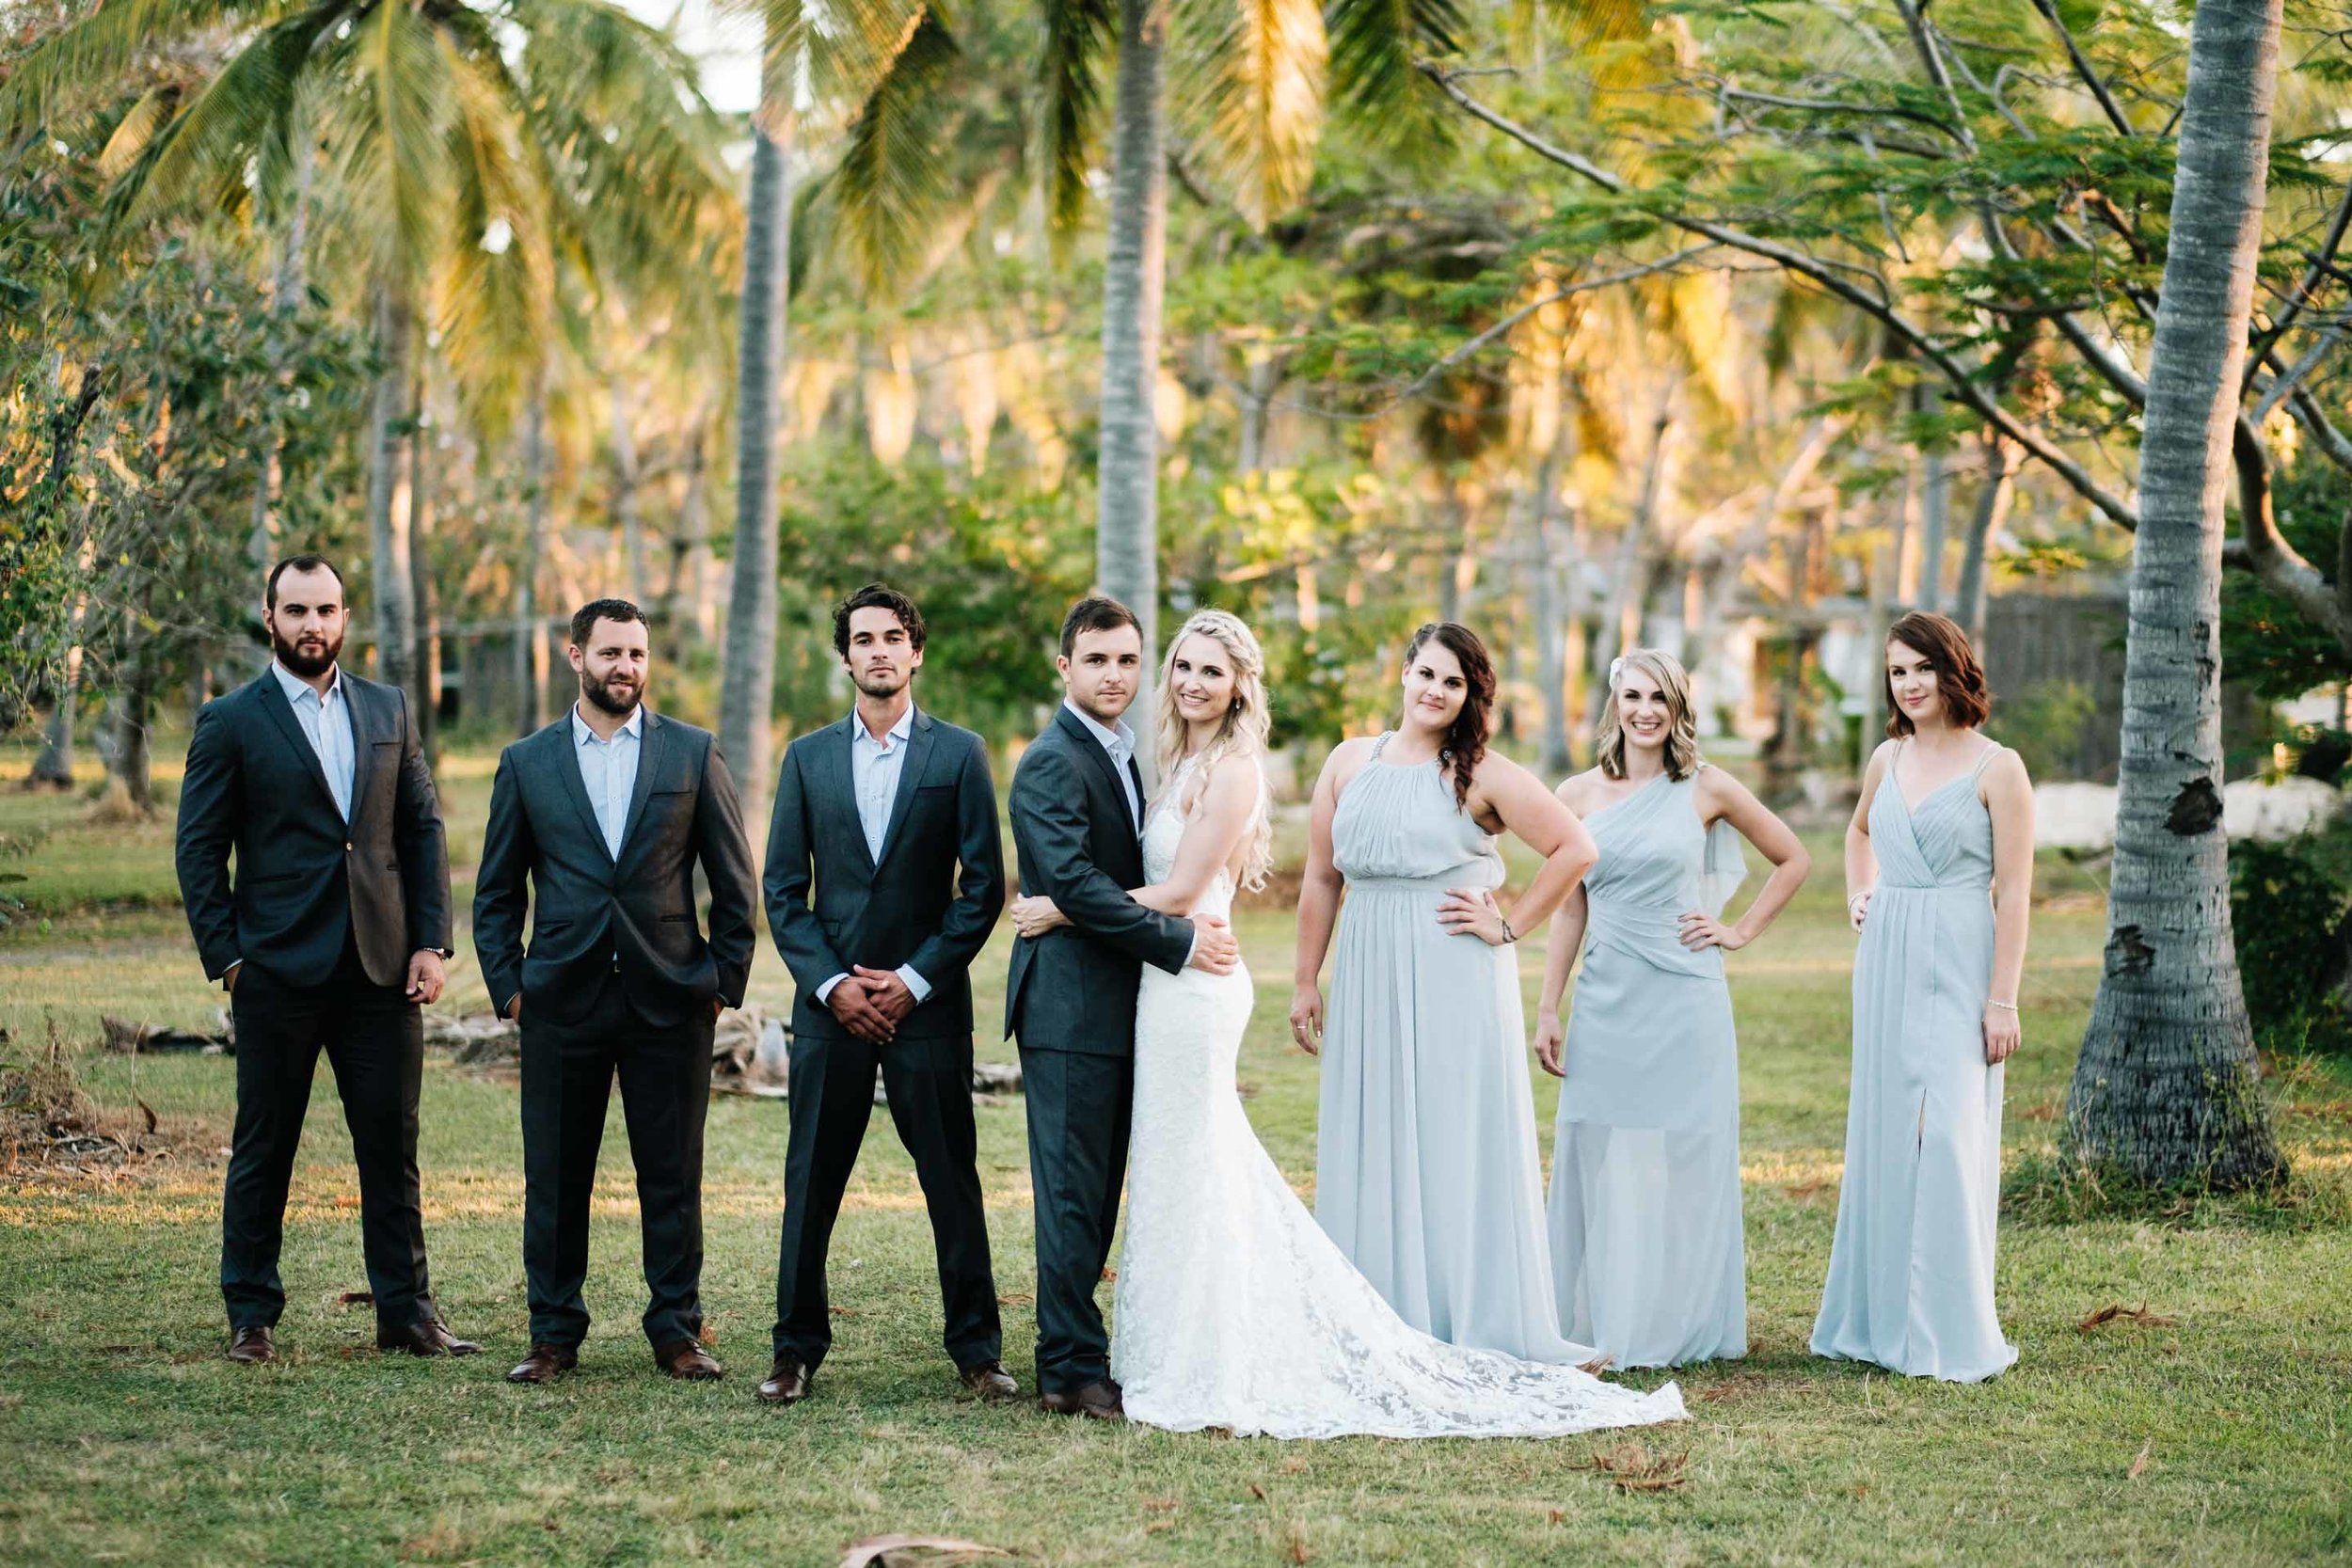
1232,1308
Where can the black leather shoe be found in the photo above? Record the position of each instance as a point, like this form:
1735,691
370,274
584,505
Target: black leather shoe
786,1382
252,1346
1097,1401
988,1380
687,1360
544,1364
426,1336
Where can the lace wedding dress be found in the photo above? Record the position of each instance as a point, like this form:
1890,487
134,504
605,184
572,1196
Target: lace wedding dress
1232,1307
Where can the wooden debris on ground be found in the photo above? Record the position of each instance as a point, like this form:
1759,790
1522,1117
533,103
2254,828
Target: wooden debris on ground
1631,1467
914,1551
2116,1312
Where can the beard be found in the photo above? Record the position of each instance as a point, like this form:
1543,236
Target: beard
619,702
310,666
880,686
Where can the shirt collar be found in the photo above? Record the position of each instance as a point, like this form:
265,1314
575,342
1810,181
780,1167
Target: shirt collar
1113,740
898,732
296,687
583,736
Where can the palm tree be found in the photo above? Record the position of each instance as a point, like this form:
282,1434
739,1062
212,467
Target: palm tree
460,149
2164,1091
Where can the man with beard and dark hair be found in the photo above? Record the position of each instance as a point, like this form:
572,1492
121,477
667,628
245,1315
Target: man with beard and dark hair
331,936
884,877
597,822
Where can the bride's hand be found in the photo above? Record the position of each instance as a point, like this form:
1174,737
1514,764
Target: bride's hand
1036,914
1469,911
1550,1040
1307,1020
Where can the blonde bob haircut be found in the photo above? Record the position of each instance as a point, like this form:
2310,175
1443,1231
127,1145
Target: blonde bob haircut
1243,732
1682,733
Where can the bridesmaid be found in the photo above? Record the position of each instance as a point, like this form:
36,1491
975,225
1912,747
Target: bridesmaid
1644,1205
1426,1171
1945,817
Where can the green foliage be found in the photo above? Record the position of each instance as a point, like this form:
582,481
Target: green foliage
2266,644
2044,724
2287,911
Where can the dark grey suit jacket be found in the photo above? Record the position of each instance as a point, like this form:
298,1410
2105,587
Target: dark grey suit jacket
1073,989
830,904
588,906
305,879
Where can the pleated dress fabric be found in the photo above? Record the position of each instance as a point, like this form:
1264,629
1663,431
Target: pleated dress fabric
1911,1270
1645,1206
1427,1173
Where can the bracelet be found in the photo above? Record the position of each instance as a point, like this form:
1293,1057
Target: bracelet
2005,1006
1508,934
1853,898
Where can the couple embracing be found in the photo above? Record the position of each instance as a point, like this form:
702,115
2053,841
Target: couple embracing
1233,1308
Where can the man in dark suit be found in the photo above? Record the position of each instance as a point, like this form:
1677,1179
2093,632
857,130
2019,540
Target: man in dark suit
603,816
331,936
885,875
1078,826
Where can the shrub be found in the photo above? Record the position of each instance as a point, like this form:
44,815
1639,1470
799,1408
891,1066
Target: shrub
2287,910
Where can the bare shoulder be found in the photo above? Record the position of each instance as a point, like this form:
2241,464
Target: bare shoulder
2004,773
1347,760
1236,774
1575,791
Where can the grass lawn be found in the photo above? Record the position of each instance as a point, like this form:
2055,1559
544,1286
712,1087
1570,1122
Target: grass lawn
2219,1436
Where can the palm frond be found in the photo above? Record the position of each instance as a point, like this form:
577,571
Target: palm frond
1078,37
135,130
1374,45
387,134
890,188
94,54
1249,75
497,278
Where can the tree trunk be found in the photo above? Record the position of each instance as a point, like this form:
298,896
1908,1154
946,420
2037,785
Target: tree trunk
1620,628
2000,469
1935,505
1549,606
747,684
128,758
625,500
260,542
531,638
426,661
387,452
691,608
2164,1092
1126,526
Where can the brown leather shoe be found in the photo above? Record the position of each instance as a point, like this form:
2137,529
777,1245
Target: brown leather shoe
426,1336
687,1359
988,1380
1097,1401
787,1382
544,1364
252,1346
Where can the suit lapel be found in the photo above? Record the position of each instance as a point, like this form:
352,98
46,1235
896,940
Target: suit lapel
652,745
362,751
564,743
1101,758
273,700
845,817
910,777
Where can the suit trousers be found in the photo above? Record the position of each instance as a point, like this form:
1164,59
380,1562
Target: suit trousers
928,1086
373,1038
569,1071
1079,1109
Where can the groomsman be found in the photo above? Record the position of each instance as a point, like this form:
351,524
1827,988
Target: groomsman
331,936
604,815
885,876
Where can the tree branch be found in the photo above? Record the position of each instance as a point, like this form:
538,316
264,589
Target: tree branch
2107,104
1822,274
2322,265
2272,559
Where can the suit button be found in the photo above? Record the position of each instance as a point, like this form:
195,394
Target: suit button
346,845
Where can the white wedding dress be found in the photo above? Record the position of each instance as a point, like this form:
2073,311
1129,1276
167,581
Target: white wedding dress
1234,1309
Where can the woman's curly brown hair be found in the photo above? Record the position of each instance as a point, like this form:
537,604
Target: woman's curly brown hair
1465,742
1968,701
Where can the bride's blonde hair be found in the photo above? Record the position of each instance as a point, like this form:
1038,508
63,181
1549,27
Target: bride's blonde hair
1242,733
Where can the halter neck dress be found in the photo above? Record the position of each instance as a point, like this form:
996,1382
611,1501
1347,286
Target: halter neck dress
1644,1208
1911,1270
1427,1172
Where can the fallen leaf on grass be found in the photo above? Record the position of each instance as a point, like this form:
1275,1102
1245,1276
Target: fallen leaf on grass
1023,1299
1293,1466
1157,1526
2139,1462
2141,1315
1297,1543
1598,1364
1159,1505
1556,1514
881,1551
1632,1468
1803,1191
1257,1491
842,1311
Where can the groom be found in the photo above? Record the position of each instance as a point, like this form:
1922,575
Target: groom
1077,827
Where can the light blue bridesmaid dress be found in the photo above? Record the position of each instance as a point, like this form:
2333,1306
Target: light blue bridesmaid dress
1646,1222
1426,1172
1910,1270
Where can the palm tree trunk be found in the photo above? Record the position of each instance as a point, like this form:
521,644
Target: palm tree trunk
425,664
689,615
1126,528
1621,627
388,450
2164,1092
262,539
747,683
625,499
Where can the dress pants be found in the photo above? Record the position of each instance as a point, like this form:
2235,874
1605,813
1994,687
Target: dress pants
929,1083
373,1038
1079,1108
569,1071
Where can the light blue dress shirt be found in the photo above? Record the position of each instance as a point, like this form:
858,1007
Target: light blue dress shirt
607,771
327,722
874,770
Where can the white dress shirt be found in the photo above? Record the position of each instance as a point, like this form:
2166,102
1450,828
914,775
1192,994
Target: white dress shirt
874,770
326,721
608,770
